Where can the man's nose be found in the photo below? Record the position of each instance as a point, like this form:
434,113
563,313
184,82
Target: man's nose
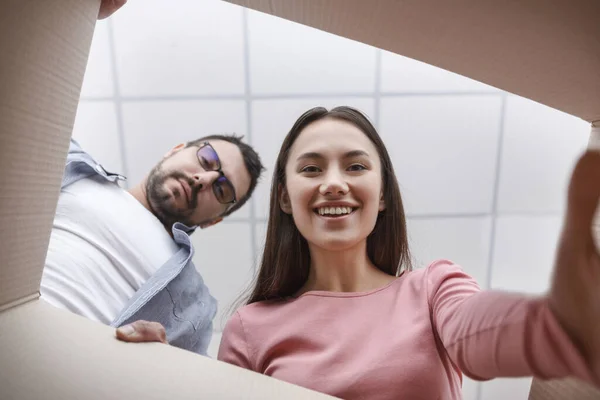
204,179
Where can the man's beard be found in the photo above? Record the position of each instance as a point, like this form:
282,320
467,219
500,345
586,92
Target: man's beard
161,201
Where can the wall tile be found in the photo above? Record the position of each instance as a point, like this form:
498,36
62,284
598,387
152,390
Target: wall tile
195,48
464,241
444,151
524,252
98,79
470,389
539,150
272,120
403,74
291,58
506,388
153,128
213,347
96,131
223,255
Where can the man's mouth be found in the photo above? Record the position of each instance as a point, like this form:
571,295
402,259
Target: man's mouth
186,191
334,212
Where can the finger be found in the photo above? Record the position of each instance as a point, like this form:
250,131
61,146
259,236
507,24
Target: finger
584,193
142,331
109,7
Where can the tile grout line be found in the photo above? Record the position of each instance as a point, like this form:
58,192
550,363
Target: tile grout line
248,100
283,96
494,211
498,169
117,100
377,90
425,217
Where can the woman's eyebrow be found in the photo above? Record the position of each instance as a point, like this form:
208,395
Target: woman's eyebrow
314,155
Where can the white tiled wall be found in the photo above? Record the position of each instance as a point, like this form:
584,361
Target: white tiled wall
482,172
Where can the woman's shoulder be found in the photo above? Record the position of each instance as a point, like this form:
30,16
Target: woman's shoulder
437,267
261,310
437,271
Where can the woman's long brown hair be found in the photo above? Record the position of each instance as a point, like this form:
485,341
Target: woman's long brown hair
286,259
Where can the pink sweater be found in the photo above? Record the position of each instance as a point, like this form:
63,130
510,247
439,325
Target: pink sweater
408,340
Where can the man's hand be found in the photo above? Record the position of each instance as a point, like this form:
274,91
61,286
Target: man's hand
575,293
108,7
142,331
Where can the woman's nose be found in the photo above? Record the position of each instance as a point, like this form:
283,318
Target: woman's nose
334,185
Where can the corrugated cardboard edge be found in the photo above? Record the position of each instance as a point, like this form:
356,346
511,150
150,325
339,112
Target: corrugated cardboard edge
544,50
44,47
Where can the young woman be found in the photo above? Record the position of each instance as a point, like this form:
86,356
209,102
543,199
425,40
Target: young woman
336,306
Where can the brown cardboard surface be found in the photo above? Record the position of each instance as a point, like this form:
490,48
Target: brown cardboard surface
44,47
49,353
560,389
545,50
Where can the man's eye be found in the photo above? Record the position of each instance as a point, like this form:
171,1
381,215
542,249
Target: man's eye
220,191
310,169
357,167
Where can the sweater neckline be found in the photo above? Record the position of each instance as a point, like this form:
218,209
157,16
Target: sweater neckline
326,293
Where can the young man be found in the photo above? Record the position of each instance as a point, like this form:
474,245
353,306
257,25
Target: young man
118,256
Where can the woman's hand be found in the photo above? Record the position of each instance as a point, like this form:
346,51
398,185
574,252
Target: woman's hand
575,293
142,331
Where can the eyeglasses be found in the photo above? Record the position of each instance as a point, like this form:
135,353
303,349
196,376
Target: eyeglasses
222,187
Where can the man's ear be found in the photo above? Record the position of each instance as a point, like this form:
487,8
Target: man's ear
174,150
211,223
284,200
381,202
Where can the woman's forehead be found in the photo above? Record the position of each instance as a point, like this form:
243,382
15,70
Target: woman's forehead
332,136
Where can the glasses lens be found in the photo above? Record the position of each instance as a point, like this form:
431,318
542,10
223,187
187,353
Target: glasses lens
224,190
209,160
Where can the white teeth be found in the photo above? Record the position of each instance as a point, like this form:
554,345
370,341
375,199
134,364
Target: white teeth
334,210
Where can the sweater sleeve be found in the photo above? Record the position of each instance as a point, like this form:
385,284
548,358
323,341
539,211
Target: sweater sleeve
234,346
491,334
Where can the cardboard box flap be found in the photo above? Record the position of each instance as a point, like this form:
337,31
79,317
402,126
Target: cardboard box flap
544,50
44,47
49,353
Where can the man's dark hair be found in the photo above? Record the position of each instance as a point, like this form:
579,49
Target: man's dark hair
251,161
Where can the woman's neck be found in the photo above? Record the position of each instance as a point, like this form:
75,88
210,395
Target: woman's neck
348,270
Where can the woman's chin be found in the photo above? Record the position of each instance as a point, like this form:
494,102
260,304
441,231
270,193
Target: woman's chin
337,242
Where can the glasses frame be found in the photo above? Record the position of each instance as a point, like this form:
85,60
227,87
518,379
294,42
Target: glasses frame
222,179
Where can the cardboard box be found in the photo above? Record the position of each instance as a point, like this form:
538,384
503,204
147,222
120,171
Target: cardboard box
545,50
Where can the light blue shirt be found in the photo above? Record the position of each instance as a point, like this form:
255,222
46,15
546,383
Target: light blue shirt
175,296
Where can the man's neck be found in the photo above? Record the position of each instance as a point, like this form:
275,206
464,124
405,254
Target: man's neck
139,193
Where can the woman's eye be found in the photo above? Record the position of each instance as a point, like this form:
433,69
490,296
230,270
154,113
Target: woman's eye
310,169
356,167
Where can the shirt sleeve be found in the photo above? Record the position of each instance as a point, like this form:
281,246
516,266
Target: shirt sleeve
490,334
234,346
